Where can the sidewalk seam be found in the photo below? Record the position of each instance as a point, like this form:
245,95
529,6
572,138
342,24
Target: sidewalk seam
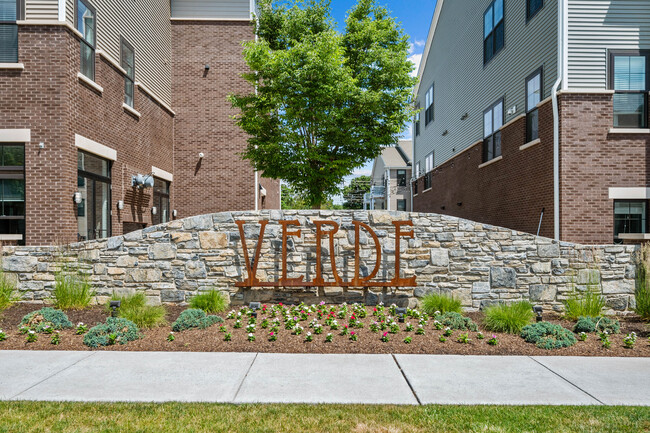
234,399
407,380
53,374
568,381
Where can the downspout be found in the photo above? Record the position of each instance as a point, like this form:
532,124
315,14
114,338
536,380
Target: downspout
257,184
556,121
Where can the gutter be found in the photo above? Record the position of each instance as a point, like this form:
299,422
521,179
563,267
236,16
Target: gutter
556,119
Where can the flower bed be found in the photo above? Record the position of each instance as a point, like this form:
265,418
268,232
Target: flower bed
308,329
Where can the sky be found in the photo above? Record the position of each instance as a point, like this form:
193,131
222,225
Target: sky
415,18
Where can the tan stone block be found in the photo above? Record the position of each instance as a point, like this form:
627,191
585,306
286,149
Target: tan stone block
211,240
181,237
115,271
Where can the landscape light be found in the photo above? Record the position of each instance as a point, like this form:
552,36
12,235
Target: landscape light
114,306
254,306
401,311
538,311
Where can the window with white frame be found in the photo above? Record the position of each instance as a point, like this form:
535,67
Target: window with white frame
128,63
85,17
428,162
428,113
492,122
533,97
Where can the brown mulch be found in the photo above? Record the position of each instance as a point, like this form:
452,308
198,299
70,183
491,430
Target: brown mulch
212,340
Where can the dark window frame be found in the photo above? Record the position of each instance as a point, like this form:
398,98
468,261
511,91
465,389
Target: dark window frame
492,34
124,44
20,7
98,178
415,186
529,113
427,181
645,226
495,132
14,172
610,79
401,178
400,200
416,120
93,46
529,15
429,111
157,201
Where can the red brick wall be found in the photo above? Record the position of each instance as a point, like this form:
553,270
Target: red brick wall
221,181
509,193
591,161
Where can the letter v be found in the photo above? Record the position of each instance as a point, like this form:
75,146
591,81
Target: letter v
251,268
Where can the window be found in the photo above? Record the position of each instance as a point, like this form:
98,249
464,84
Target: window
160,201
630,81
533,97
85,19
401,204
429,162
415,186
12,190
401,177
629,217
428,113
492,121
9,31
416,121
94,185
493,34
417,169
532,7
427,181
128,63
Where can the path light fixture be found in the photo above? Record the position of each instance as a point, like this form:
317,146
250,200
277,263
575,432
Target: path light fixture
115,305
538,311
401,311
254,306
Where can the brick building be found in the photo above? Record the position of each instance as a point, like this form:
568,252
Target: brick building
113,116
534,116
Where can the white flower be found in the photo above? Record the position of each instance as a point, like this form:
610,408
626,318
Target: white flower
31,332
435,313
250,335
308,334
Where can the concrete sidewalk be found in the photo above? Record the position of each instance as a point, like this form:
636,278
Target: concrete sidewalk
313,378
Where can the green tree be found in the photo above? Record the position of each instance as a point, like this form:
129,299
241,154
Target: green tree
324,102
291,199
353,193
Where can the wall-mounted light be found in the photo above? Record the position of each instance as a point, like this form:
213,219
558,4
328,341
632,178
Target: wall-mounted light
460,203
442,208
154,210
464,116
207,67
512,110
142,181
41,145
120,204
77,197
445,133
201,155
174,213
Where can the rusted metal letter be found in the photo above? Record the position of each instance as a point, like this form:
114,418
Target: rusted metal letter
397,281
251,268
284,281
319,280
358,281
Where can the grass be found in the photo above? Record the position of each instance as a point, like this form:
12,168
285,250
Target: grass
8,293
510,318
588,303
438,302
134,308
72,291
642,290
212,301
19,417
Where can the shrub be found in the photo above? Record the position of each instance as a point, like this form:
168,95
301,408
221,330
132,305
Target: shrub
547,335
8,294
72,291
114,330
593,324
510,318
454,320
438,302
44,318
642,290
194,318
587,303
212,301
134,308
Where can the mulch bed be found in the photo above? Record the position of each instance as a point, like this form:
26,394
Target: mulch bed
212,340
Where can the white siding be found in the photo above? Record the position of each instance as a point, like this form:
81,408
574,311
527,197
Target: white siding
226,9
42,10
145,25
596,26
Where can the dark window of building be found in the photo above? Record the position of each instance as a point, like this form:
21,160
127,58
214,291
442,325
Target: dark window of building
415,186
401,204
427,181
94,188
493,30
492,122
629,217
128,63
416,121
401,177
630,80
9,13
12,192
160,201
532,7
428,112
85,18
533,97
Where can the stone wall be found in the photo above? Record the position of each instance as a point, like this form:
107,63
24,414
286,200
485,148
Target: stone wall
478,263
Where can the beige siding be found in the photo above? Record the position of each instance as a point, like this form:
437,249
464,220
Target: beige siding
227,9
596,26
145,25
42,10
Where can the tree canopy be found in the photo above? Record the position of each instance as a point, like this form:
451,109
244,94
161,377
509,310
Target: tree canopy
353,193
324,103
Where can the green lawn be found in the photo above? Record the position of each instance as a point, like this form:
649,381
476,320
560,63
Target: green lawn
177,417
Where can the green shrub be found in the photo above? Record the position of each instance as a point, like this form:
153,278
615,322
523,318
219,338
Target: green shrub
39,319
72,291
438,302
454,320
114,330
642,290
547,335
212,301
134,308
8,293
600,324
587,303
194,318
510,318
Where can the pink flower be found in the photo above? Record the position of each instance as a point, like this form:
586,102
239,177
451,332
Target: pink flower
385,334
352,333
271,334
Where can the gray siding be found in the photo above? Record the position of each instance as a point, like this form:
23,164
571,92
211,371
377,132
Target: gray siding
145,25
42,10
596,26
227,9
464,85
